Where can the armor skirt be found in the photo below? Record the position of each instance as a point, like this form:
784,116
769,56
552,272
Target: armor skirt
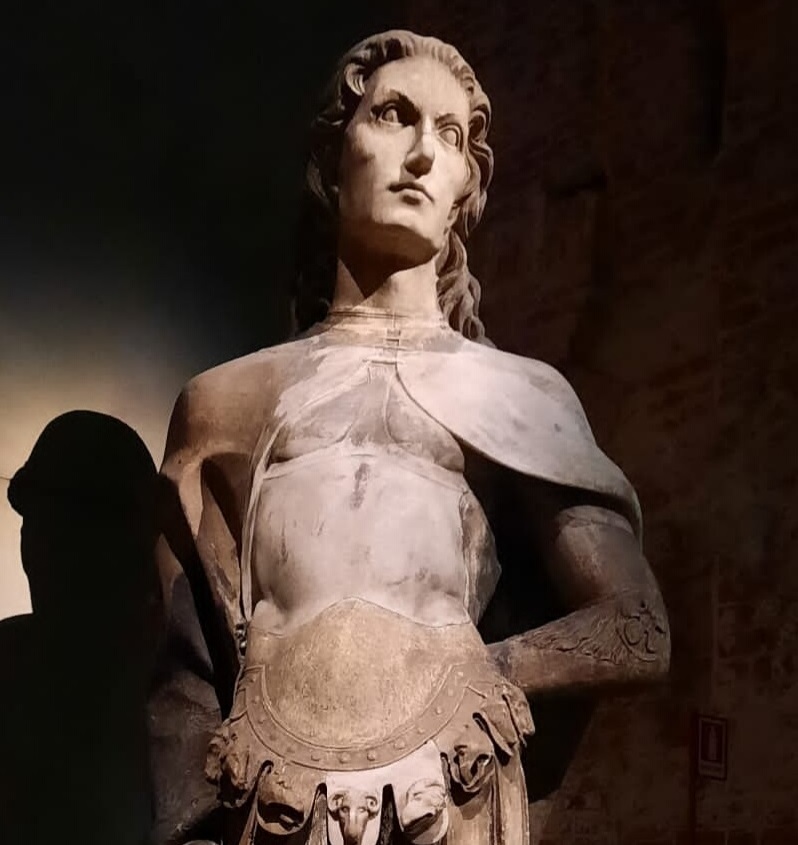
363,723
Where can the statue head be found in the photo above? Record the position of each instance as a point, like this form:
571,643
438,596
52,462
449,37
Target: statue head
346,161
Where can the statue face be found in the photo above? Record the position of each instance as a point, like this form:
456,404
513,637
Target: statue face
403,164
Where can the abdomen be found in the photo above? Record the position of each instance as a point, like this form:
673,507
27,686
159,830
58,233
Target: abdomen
359,526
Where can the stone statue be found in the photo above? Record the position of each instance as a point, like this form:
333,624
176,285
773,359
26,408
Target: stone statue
328,547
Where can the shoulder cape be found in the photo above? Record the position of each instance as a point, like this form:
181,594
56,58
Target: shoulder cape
517,412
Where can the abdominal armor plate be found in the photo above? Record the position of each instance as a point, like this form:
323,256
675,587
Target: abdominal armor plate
361,688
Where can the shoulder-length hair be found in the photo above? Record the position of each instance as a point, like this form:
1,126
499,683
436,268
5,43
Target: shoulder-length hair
458,289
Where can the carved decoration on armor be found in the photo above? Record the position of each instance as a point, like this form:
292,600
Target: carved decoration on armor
642,627
353,809
423,813
629,626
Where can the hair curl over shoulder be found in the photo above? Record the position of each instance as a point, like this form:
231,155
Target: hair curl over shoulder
458,289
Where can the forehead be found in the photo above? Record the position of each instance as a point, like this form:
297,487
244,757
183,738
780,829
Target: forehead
426,82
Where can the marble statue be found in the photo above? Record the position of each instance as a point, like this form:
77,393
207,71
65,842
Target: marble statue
336,509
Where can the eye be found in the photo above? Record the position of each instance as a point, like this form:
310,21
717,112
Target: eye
390,114
453,136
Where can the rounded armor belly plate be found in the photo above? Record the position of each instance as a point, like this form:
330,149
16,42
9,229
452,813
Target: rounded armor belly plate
333,683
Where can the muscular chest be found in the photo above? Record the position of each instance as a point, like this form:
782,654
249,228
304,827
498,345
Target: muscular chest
370,412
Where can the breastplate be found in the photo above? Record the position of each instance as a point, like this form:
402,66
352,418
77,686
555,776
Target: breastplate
372,413
366,411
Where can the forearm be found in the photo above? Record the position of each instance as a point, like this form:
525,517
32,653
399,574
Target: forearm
616,628
620,641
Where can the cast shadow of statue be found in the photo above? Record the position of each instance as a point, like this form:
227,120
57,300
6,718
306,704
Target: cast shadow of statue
73,673
525,599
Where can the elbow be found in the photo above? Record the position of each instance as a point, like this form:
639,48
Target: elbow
658,666
662,662
642,626
664,654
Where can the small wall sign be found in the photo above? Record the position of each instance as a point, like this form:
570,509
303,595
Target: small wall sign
712,745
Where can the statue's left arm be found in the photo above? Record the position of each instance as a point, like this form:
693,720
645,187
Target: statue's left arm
615,632
522,416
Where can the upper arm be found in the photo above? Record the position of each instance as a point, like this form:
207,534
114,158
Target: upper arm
588,547
196,552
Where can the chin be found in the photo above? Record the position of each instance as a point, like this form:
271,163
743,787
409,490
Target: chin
406,237
410,238
414,248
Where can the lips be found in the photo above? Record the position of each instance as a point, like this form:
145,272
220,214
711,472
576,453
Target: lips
398,187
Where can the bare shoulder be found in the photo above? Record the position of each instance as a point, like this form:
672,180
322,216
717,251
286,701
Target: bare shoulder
227,403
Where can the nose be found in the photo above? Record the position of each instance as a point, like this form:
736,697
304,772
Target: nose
421,155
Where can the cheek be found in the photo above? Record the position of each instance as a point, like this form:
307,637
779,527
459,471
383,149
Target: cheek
454,177
460,176
361,148
356,168
383,153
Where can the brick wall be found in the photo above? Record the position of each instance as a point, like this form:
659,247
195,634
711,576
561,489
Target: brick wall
642,235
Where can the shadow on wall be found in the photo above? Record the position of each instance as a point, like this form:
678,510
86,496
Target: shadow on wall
525,599
73,673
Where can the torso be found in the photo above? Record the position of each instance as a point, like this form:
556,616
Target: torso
362,495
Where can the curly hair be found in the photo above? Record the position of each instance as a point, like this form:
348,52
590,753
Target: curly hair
458,289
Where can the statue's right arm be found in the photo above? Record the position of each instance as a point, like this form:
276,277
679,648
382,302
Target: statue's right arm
184,707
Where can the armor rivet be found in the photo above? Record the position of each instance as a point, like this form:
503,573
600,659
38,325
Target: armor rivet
372,755
459,674
438,710
314,755
344,757
449,692
400,743
261,718
420,729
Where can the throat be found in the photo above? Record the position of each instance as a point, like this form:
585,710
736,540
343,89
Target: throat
409,292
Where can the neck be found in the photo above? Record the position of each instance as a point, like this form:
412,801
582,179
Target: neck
377,285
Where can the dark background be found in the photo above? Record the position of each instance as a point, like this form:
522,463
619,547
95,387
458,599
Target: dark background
641,234
151,169
170,138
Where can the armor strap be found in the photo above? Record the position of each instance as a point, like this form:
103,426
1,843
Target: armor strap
258,467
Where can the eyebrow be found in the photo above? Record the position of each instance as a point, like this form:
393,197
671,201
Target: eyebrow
448,117
393,94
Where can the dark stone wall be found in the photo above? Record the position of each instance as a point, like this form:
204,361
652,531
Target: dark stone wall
642,235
